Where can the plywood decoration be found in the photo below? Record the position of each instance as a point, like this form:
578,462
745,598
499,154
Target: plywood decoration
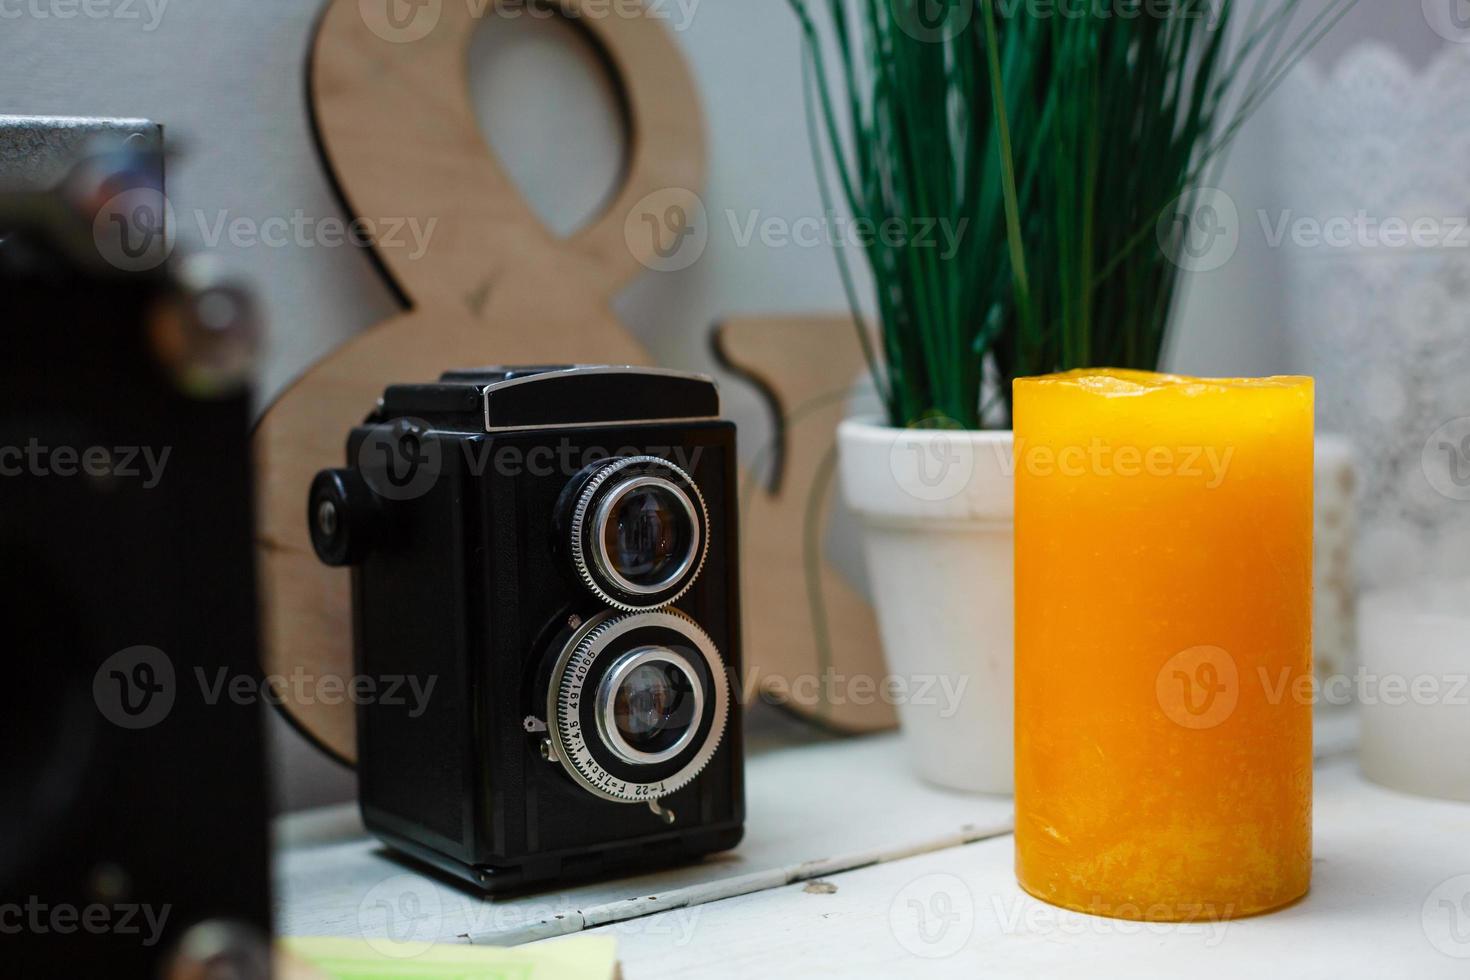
397,130
809,635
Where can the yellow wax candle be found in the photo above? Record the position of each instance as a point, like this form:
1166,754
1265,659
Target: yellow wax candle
1163,643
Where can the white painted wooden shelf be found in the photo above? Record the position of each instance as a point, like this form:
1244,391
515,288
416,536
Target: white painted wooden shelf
810,810
851,866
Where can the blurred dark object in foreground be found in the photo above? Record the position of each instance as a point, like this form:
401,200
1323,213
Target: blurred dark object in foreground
133,835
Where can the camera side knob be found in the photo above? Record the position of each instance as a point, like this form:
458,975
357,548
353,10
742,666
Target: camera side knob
342,515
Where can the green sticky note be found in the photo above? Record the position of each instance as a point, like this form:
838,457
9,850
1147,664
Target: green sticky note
572,958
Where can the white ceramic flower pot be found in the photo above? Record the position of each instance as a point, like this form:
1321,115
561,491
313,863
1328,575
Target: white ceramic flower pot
937,511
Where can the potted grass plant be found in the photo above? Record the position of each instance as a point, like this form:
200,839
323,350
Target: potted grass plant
1062,154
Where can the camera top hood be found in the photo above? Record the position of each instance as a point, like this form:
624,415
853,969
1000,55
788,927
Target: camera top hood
498,399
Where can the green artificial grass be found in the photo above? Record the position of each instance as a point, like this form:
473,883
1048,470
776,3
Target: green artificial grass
1060,151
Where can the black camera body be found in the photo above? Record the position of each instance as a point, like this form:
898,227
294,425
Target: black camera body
547,556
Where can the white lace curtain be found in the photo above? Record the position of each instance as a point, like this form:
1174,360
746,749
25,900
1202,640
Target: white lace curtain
1367,149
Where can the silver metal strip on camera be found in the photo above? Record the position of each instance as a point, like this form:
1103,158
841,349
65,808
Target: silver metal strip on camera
490,426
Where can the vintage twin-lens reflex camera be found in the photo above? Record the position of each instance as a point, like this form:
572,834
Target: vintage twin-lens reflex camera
554,549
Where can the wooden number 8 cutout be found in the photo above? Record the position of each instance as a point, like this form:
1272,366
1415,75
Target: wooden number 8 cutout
391,104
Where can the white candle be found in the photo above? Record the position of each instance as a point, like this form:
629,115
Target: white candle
1414,688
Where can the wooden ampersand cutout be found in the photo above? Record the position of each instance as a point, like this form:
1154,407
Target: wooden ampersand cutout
395,122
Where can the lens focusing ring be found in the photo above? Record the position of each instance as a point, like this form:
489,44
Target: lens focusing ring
590,557
569,689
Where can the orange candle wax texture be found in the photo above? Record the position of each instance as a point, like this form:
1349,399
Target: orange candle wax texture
1163,643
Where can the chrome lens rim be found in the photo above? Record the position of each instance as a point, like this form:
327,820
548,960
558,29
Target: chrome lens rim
592,565
607,726
604,514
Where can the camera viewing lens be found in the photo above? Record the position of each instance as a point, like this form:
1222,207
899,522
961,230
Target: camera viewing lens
638,532
649,534
650,705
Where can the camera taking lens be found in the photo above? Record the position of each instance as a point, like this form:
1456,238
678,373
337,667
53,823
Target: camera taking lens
637,704
650,705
